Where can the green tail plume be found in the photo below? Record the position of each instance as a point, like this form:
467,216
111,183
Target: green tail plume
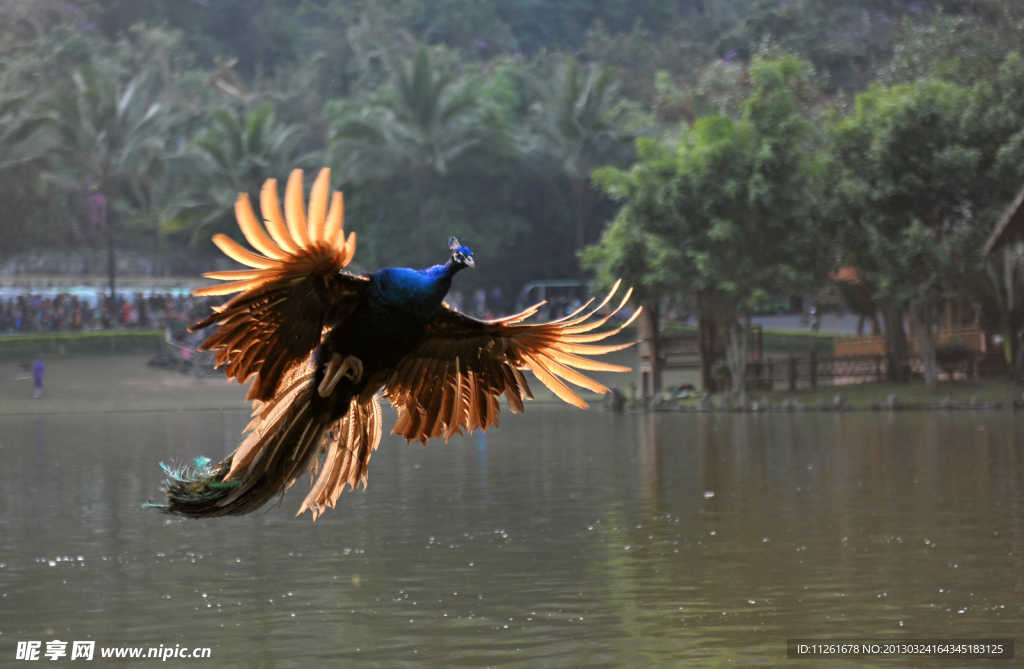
191,489
282,443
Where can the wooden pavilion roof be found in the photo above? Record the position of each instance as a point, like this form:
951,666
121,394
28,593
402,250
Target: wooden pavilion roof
1010,228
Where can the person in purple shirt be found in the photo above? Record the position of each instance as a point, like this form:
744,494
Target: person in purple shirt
37,376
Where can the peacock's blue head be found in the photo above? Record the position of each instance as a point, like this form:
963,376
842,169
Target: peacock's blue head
461,255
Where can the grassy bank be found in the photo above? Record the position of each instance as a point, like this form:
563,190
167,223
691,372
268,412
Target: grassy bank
103,342
781,341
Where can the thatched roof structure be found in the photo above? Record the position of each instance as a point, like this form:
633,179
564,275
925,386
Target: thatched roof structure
1010,228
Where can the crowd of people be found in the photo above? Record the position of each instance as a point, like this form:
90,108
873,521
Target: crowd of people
33,313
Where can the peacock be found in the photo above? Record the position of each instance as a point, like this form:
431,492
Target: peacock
322,345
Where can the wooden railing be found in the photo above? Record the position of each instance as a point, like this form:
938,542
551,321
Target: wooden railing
813,371
973,337
843,368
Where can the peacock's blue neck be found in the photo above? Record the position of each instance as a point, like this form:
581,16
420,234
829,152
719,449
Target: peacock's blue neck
416,291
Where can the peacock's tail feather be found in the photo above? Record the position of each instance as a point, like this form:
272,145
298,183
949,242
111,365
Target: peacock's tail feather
284,440
196,485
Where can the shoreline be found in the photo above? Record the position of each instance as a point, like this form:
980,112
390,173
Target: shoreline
958,395
756,407
125,383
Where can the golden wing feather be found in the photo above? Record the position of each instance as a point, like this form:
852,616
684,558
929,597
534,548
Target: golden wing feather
236,251
295,213
294,289
452,380
335,215
318,206
271,206
253,231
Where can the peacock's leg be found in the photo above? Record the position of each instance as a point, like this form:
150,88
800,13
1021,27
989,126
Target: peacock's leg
339,368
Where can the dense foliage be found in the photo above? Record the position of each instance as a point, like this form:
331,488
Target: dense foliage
729,206
778,141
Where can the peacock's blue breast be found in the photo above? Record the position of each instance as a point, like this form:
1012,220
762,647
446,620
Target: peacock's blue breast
418,293
400,303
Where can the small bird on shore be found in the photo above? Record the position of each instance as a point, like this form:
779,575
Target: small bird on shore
321,344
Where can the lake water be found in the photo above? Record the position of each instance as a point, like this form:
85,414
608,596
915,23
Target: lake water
564,538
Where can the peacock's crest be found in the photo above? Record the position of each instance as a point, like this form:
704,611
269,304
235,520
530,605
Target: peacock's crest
461,255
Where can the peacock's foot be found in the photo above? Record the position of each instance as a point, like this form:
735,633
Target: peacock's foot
338,368
352,367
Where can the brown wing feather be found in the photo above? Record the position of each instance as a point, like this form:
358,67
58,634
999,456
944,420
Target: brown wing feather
353,439
293,291
453,378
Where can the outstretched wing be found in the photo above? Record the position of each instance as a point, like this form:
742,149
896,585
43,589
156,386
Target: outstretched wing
454,377
295,288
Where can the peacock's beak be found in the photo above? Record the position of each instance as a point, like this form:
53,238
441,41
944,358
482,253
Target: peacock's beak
469,261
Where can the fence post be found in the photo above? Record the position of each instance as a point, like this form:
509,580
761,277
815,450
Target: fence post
771,375
814,369
792,374
878,368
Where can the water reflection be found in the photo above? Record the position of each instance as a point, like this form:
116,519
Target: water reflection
565,538
481,449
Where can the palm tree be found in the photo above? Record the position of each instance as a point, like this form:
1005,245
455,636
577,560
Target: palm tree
110,140
235,154
23,152
579,130
22,144
415,127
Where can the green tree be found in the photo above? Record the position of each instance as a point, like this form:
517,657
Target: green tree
235,154
730,207
22,144
23,151
416,127
960,49
844,39
630,252
909,167
263,35
110,140
580,129
996,119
